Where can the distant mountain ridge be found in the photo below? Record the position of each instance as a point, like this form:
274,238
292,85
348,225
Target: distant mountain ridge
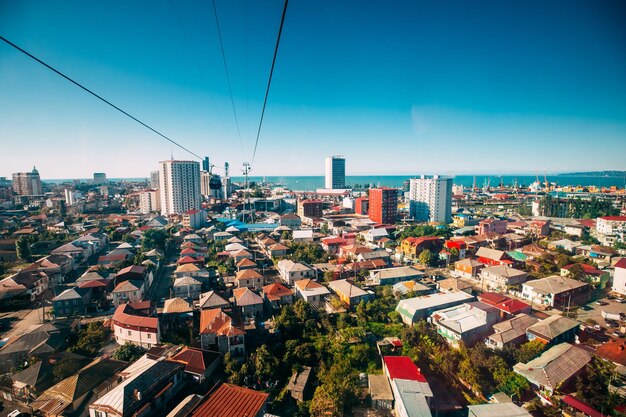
595,174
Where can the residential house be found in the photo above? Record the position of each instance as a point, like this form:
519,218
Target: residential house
611,229
187,270
508,306
454,285
492,257
613,350
290,220
350,294
375,255
556,292
311,291
290,271
469,322
564,244
406,287
194,219
492,225
539,228
277,295
276,250
497,409
588,273
415,309
79,254
28,285
68,395
501,277
411,247
468,268
600,254
352,252
372,236
129,326
511,332
145,393
246,264
241,254
390,276
553,330
211,300
619,277
412,393
305,235
219,332
249,278
130,291
200,364
71,302
187,287
233,401
554,367
134,272
332,244
40,343
176,311
57,267
249,303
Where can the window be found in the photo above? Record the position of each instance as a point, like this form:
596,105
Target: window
130,333
149,336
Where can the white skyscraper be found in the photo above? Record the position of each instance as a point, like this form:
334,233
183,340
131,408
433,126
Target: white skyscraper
154,180
149,201
335,172
179,186
431,199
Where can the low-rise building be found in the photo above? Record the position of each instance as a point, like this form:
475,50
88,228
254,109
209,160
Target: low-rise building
415,309
232,401
411,247
187,287
588,273
497,409
130,291
553,330
469,322
71,302
350,294
508,306
380,392
200,364
468,268
131,327
249,278
249,303
290,271
556,292
619,277
298,383
390,276
510,332
611,229
219,332
554,367
277,295
411,390
500,277
311,291
564,244
211,299
406,287
492,257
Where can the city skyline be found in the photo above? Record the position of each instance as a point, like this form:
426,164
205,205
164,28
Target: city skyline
427,88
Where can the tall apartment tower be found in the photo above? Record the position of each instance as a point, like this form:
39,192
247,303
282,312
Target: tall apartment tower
99,178
383,205
179,186
205,164
27,183
430,199
335,172
154,179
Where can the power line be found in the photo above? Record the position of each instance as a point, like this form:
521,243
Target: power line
269,81
97,96
230,90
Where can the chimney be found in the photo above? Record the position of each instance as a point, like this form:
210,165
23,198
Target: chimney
137,394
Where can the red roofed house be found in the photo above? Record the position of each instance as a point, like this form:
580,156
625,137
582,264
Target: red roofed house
277,295
402,367
539,228
132,272
614,350
492,226
587,272
194,219
199,364
508,306
233,401
190,260
249,278
611,229
131,327
218,332
408,384
460,245
492,257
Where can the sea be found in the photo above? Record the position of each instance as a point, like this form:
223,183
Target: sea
311,183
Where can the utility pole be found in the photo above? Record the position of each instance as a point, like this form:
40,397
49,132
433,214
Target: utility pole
246,201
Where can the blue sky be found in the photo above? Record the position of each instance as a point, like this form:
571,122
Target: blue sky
398,87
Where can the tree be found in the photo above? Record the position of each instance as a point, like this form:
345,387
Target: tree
265,364
529,351
426,257
91,339
22,246
154,238
128,352
65,368
592,386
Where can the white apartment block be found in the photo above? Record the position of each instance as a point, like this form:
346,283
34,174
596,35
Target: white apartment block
179,183
430,199
611,229
149,201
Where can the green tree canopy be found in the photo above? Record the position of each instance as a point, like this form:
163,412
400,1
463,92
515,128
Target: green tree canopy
128,352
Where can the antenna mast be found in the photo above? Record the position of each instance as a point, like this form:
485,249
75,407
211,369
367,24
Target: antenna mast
246,200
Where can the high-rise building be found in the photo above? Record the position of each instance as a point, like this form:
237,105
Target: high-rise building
226,188
310,208
27,183
179,186
99,178
70,197
205,183
362,206
205,164
335,172
383,205
430,199
154,180
149,201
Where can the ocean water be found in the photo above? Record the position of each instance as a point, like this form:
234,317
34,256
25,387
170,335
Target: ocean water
311,183
314,182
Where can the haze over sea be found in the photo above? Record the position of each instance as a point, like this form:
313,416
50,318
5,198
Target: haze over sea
311,183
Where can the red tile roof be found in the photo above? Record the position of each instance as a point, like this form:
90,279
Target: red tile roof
215,321
190,260
614,218
124,315
587,269
276,291
135,269
232,401
581,406
188,251
402,367
196,361
503,303
614,350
